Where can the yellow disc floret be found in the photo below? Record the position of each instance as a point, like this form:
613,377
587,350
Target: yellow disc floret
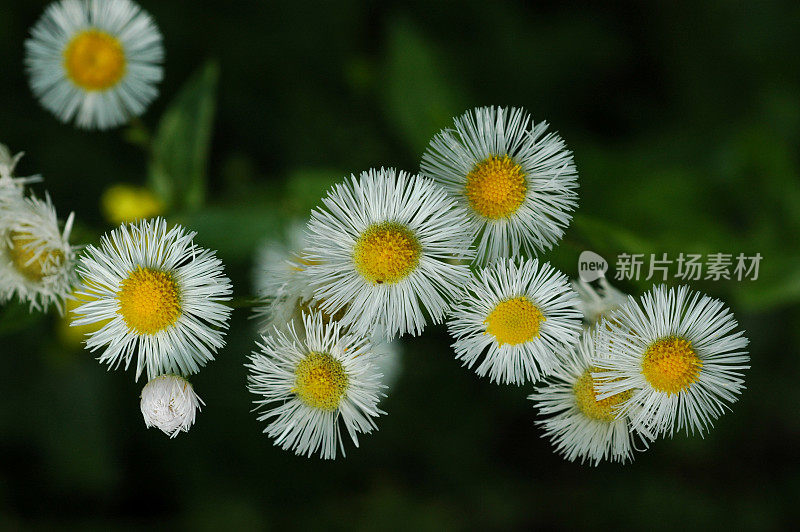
496,187
94,60
514,321
386,253
149,301
586,399
320,381
671,365
33,261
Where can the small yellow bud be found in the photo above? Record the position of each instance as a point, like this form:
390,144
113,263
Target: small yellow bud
127,203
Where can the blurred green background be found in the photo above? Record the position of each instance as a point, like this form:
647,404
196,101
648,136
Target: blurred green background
685,125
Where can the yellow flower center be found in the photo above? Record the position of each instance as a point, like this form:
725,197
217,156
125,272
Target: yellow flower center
320,381
149,301
32,261
586,398
514,321
94,60
671,365
496,187
386,253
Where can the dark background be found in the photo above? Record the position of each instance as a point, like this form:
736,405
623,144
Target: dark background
684,121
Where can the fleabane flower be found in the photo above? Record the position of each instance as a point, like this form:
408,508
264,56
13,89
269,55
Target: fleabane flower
387,249
8,161
294,300
578,424
310,384
281,288
679,353
515,182
596,302
162,294
12,188
294,303
96,62
169,403
388,360
513,321
37,262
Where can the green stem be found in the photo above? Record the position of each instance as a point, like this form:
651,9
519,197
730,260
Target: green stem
243,302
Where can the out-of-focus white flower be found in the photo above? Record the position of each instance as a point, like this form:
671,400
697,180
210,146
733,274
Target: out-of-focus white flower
95,61
37,262
12,188
281,288
598,302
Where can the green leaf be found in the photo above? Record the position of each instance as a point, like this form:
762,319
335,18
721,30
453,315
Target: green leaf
778,284
15,317
603,236
234,229
180,148
419,98
306,187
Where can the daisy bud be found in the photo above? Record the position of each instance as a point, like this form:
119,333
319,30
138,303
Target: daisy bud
169,404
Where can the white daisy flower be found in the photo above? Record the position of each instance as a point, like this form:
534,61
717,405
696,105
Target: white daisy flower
294,301
516,319
8,161
516,183
678,351
170,404
307,384
95,61
162,295
577,423
292,306
388,360
11,188
386,249
281,289
596,302
37,262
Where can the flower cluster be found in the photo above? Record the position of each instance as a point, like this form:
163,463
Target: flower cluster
389,252
645,368
147,293
152,295
386,254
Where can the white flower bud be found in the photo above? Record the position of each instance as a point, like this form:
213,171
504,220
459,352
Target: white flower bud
170,404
